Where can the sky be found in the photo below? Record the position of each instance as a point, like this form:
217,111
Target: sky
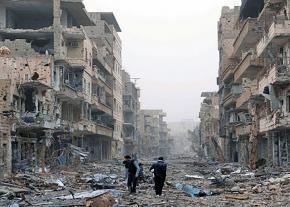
171,45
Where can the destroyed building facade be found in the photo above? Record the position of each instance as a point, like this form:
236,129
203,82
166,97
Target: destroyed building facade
154,133
60,83
254,81
131,108
209,126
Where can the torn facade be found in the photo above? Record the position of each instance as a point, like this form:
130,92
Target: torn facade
105,36
257,122
131,108
209,126
56,85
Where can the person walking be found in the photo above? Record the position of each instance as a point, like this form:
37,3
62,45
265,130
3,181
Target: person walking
159,169
132,172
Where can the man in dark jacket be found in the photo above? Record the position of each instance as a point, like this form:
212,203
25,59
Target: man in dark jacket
159,169
132,172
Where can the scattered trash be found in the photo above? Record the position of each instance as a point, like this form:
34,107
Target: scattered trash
193,177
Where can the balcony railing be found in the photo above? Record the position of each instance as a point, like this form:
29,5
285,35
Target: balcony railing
104,130
74,33
248,67
245,96
38,120
250,33
278,34
77,62
277,75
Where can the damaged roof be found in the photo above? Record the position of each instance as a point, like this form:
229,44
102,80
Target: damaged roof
76,8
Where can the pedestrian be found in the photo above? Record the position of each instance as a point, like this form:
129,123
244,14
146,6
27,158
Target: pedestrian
159,169
132,172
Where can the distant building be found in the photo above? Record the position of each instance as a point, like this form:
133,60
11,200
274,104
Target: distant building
131,108
209,126
154,133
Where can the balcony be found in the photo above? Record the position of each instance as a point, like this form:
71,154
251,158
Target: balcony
243,130
105,108
278,75
228,73
248,67
231,97
278,35
106,85
99,61
69,93
129,124
273,121
73,33
104,130
244,98
83,128
229,100
40,121
250,33
77,62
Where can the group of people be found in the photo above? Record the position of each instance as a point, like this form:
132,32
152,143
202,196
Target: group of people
134,172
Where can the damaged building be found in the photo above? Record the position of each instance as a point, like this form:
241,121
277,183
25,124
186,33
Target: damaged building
209,126
60,83
154,133
254,81
131,108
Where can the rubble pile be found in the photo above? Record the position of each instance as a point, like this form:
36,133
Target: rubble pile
189,183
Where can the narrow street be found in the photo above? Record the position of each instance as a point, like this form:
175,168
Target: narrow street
103,184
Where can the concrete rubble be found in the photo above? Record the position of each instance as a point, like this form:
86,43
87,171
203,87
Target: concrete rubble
66,186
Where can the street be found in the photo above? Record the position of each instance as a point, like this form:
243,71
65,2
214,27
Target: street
189,183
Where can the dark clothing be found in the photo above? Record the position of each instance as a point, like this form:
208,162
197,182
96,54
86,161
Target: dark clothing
131,167
132,182
159,183
132,171
159,168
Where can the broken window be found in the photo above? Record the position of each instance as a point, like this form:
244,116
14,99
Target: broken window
28,15
29,100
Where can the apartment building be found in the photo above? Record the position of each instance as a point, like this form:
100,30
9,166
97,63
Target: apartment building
131,108
228,90
57,82
154,133
257,121
209,126
105,36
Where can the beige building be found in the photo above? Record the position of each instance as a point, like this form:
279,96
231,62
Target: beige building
105,35
60,83
209,126
131,108
154,133
254,116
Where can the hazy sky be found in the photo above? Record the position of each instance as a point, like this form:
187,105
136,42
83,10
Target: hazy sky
172,46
